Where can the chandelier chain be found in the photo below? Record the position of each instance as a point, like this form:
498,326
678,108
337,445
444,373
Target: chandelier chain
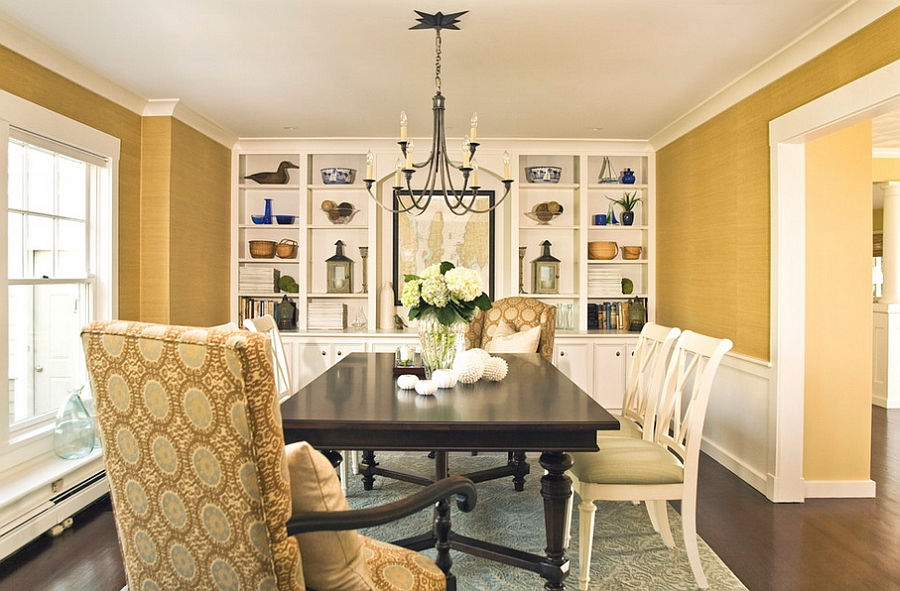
437,60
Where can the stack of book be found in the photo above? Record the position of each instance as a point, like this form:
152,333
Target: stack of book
327,316
603,282
258,280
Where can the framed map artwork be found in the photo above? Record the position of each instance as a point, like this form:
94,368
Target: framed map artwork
440,235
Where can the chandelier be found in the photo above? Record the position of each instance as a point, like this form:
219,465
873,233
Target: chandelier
439,176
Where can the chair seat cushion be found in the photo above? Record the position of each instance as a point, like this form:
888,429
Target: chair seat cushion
627,428
507,340
393,568
627,461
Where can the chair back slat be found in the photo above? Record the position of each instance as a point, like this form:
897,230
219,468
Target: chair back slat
645,377
685,394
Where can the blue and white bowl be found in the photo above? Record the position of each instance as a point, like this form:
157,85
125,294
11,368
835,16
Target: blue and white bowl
543,174
338,176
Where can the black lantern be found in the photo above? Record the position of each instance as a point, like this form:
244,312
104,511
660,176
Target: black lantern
287,314
340,270
545,271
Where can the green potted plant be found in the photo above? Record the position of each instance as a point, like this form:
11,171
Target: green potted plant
628,201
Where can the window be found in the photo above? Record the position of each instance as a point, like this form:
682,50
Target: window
58,189
50,279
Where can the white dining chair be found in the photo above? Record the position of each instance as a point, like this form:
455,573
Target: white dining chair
266,324
661,468
644,383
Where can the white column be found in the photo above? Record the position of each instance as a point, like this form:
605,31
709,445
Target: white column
890,261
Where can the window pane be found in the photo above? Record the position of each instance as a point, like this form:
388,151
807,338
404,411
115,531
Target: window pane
16,172
40,246
16,259
72,187
40,181
71,247
45,358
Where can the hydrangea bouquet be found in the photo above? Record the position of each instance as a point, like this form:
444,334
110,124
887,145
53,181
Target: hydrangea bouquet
443,298
448,292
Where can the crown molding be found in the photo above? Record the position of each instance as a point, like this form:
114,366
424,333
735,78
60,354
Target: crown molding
23,42
177,109
845,21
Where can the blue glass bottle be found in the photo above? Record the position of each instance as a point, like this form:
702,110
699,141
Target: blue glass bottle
628,177
267,214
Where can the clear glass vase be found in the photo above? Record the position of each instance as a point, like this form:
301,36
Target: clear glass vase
73,436
439,343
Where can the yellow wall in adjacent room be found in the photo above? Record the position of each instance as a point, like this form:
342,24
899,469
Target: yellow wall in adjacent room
885,169
838,394
713,197
186,218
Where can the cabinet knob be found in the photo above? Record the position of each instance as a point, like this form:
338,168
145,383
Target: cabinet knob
339,353
618,353
323,353
562,353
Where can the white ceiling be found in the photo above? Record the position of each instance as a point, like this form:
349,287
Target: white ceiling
622,69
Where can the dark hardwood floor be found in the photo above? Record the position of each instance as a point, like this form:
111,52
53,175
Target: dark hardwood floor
820,545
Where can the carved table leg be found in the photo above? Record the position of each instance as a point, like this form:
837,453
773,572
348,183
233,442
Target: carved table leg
366,467
517,459
556,488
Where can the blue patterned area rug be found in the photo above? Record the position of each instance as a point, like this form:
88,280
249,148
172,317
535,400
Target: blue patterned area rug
627,555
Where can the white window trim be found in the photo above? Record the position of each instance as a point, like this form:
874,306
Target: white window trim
22,114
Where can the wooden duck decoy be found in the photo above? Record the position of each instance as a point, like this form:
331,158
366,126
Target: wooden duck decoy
279,177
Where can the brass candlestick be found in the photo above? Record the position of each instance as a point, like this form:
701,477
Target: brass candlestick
521,277
364,254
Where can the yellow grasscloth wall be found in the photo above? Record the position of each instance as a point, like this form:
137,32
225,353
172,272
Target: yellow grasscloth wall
713,197
837,397
187,176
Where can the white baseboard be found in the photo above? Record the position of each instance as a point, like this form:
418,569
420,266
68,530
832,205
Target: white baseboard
840,489
740,469
883,402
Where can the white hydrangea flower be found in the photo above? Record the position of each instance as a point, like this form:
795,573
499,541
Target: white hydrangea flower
431,271
464,284
435,292
409,296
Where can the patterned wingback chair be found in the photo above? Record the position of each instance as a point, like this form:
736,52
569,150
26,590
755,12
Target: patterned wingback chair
518,312
200,479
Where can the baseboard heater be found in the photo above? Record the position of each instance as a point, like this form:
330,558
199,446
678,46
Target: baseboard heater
54,515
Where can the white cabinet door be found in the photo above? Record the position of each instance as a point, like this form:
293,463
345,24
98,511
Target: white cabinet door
573,359
609,375
311,359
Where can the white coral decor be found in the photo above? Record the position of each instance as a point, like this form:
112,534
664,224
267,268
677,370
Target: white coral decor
495,369
470,366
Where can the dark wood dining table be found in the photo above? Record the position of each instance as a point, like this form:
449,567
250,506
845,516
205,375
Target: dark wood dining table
356,404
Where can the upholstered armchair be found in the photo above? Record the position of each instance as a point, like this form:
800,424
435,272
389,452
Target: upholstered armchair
502,328
204,491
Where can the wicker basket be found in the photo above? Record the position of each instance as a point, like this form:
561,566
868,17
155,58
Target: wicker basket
262,249
631,253
286,249
602,250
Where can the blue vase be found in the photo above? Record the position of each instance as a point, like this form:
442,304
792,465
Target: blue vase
627,177
267,214
627,218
